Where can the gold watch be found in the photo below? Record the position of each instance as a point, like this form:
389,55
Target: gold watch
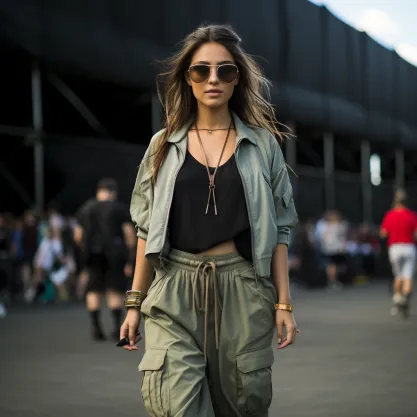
285,307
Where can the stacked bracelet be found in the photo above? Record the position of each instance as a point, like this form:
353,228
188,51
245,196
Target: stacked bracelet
134,299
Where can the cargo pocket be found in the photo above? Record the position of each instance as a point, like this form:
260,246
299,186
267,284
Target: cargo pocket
155,389
254,383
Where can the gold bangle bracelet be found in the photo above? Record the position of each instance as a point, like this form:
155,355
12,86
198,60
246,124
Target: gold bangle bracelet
136,292
134,299
285,307
136,305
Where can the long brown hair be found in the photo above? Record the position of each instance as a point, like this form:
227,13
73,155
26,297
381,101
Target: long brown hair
250,100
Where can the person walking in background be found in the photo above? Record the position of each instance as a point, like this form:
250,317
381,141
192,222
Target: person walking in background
48,260
399,227
332,237
213,206
107,239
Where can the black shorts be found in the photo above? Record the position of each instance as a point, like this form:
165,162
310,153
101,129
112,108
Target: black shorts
105,274
335,259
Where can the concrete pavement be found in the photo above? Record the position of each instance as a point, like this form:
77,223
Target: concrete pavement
351,359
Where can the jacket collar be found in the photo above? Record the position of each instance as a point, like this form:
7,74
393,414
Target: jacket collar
242,131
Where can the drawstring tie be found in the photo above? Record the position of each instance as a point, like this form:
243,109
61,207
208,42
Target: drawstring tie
205,277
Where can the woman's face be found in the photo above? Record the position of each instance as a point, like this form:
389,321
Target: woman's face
213,92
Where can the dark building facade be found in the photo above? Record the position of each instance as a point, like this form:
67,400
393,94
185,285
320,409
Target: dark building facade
87,69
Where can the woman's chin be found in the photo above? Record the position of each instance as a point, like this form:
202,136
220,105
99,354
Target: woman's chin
214,104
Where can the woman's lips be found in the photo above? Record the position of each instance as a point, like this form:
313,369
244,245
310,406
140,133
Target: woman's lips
213,93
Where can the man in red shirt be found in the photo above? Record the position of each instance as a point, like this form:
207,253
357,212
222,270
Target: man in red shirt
400,227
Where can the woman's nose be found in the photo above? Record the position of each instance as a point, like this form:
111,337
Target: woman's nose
213,78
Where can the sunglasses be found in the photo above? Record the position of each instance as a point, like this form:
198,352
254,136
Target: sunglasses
226,73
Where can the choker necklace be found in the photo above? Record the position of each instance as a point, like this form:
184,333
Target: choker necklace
210,131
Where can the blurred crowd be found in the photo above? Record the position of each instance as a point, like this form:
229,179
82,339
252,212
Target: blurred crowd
38,250
331,252
39,260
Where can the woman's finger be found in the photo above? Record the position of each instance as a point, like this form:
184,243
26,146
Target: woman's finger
138,338
283,345
124,331
279,331
291,335
129,348
290,338
132,335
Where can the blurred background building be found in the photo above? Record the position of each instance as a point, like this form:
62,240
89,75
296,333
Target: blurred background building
78,98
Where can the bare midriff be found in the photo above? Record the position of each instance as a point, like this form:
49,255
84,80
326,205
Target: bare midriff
221,249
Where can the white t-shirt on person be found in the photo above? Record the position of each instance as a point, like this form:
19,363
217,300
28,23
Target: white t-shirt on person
46,253
333,238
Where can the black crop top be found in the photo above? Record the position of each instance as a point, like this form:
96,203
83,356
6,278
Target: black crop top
193,231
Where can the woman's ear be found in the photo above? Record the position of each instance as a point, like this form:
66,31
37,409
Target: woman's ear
187,77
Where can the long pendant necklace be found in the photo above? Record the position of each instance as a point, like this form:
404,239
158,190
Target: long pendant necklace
212,177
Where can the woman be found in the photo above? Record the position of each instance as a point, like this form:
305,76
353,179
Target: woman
400,227
213,208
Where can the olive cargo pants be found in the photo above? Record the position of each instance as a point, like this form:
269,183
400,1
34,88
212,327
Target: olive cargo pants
209,324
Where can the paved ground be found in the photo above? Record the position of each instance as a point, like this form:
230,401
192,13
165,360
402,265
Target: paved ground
352,359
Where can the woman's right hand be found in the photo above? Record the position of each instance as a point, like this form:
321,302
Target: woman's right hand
130,329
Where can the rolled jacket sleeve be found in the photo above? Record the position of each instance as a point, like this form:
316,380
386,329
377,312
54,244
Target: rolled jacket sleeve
286,214
142,197
140,206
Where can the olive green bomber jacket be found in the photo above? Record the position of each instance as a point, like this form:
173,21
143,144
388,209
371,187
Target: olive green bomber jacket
268,193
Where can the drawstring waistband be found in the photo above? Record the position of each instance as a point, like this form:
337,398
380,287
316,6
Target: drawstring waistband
205,273
206,277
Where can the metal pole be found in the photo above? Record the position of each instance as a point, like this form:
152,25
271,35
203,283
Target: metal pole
366,183
328,143
38,151
399,168
156,114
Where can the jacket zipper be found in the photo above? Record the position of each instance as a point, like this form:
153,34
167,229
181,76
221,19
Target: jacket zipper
170,204
254,264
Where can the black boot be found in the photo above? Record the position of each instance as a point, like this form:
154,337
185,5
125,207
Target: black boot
96,331
98,334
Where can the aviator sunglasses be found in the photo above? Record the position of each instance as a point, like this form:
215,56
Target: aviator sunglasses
226,73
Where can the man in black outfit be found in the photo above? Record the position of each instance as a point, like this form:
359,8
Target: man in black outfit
107,239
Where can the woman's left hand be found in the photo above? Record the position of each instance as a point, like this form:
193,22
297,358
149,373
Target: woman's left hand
285,319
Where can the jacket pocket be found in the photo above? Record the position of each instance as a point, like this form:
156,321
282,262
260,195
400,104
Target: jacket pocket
254,383
155,388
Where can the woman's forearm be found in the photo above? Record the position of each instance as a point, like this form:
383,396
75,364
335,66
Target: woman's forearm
280,273
142,277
